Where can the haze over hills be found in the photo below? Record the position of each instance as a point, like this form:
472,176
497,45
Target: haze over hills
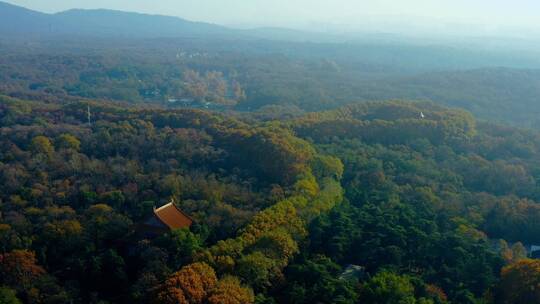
399,50
17,20
456,71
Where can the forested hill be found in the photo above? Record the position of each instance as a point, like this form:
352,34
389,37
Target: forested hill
103,23
15,20
173,62
266,76
480,171
409,194
495,94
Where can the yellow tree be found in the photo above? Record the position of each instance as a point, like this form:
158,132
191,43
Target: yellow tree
190,285
229,291
68,141
41,144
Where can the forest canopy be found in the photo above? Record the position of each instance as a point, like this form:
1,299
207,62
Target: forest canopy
388,202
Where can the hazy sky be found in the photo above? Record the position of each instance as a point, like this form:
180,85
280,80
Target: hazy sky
301,13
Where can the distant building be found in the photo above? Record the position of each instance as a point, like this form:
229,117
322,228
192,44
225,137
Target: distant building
187,100
533,251
165,218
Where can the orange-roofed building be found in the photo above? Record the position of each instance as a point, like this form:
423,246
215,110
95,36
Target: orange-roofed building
165,218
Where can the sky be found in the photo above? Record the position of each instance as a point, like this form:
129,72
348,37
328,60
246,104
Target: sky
324,15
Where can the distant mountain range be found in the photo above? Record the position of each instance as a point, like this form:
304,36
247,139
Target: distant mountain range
19,24
17,21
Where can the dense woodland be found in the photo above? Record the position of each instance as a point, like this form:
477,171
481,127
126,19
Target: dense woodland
368,171
427,210
262,75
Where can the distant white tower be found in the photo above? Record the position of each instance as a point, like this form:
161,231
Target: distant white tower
422,115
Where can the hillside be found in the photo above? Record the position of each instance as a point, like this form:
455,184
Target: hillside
152,159
15,20
258,76
103,23
100,23
497,94
410,200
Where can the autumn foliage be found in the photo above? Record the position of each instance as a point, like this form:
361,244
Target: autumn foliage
189,285
19,268
229,291
520,283
197,283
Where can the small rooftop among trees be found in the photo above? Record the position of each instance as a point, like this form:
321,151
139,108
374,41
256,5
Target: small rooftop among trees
165,218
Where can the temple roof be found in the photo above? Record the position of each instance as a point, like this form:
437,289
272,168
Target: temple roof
172,216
